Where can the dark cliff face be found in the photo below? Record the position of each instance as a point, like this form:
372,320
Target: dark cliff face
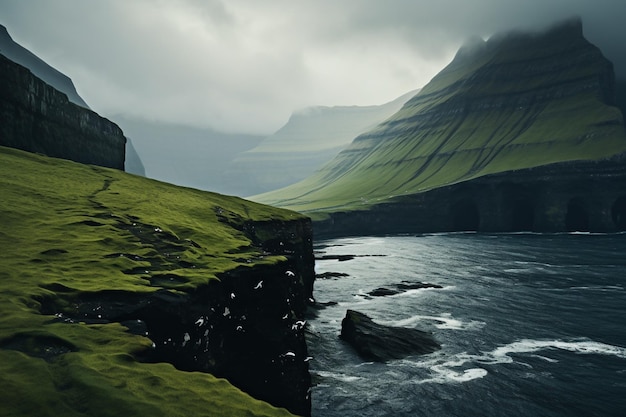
567,197
17,53
38,118
248,327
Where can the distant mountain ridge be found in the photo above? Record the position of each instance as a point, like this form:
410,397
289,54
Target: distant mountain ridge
516,102
310,138
189,156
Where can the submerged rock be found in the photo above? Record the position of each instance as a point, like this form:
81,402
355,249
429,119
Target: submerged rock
402,287
380,343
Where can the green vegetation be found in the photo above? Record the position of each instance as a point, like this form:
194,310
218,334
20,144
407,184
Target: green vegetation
67,227
515,102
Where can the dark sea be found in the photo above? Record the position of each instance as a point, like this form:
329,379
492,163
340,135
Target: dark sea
530,325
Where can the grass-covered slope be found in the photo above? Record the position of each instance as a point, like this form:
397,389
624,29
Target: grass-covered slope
63,229
516,101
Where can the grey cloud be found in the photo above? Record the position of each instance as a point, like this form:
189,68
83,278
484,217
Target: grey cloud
245,65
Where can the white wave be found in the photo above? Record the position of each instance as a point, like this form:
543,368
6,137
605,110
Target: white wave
501,354
545,358
338,376
448,371
445,321
599,288
446,375
421,291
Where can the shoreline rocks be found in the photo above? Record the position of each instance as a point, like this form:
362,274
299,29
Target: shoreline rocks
380,343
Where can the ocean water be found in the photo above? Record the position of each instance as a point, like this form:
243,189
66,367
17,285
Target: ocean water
530,325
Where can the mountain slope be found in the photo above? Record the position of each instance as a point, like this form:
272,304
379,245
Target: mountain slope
514,102
105,277
308,140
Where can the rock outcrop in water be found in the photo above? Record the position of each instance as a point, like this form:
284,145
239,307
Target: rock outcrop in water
380,343
38,118
520,132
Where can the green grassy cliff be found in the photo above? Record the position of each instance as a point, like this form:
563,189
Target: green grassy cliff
71,231
516,101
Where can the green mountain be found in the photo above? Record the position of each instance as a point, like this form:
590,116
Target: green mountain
116,290
514,102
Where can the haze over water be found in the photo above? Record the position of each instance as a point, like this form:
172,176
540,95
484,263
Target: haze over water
530,325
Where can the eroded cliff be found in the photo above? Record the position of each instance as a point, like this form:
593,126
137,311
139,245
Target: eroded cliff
120,290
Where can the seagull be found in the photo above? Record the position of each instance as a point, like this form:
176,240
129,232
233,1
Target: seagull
259,285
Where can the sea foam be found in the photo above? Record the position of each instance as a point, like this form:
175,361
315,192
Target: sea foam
448,371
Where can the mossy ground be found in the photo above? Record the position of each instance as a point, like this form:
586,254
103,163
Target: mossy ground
81,229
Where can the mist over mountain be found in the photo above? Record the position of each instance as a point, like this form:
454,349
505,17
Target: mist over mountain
515,102
310,138
188,156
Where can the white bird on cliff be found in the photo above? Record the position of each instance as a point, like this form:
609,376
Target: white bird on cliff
290,274
259,285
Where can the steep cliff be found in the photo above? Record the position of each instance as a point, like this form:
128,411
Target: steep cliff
38,118
121,295
512,103
20,55
61,82
133,163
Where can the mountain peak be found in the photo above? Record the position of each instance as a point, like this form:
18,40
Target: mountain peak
519,100
4,33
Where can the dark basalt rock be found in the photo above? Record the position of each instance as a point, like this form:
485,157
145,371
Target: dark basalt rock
583,196
36,117
329,275
376,342
400,288
247,327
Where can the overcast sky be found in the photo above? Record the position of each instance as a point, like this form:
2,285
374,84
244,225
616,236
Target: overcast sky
245,65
